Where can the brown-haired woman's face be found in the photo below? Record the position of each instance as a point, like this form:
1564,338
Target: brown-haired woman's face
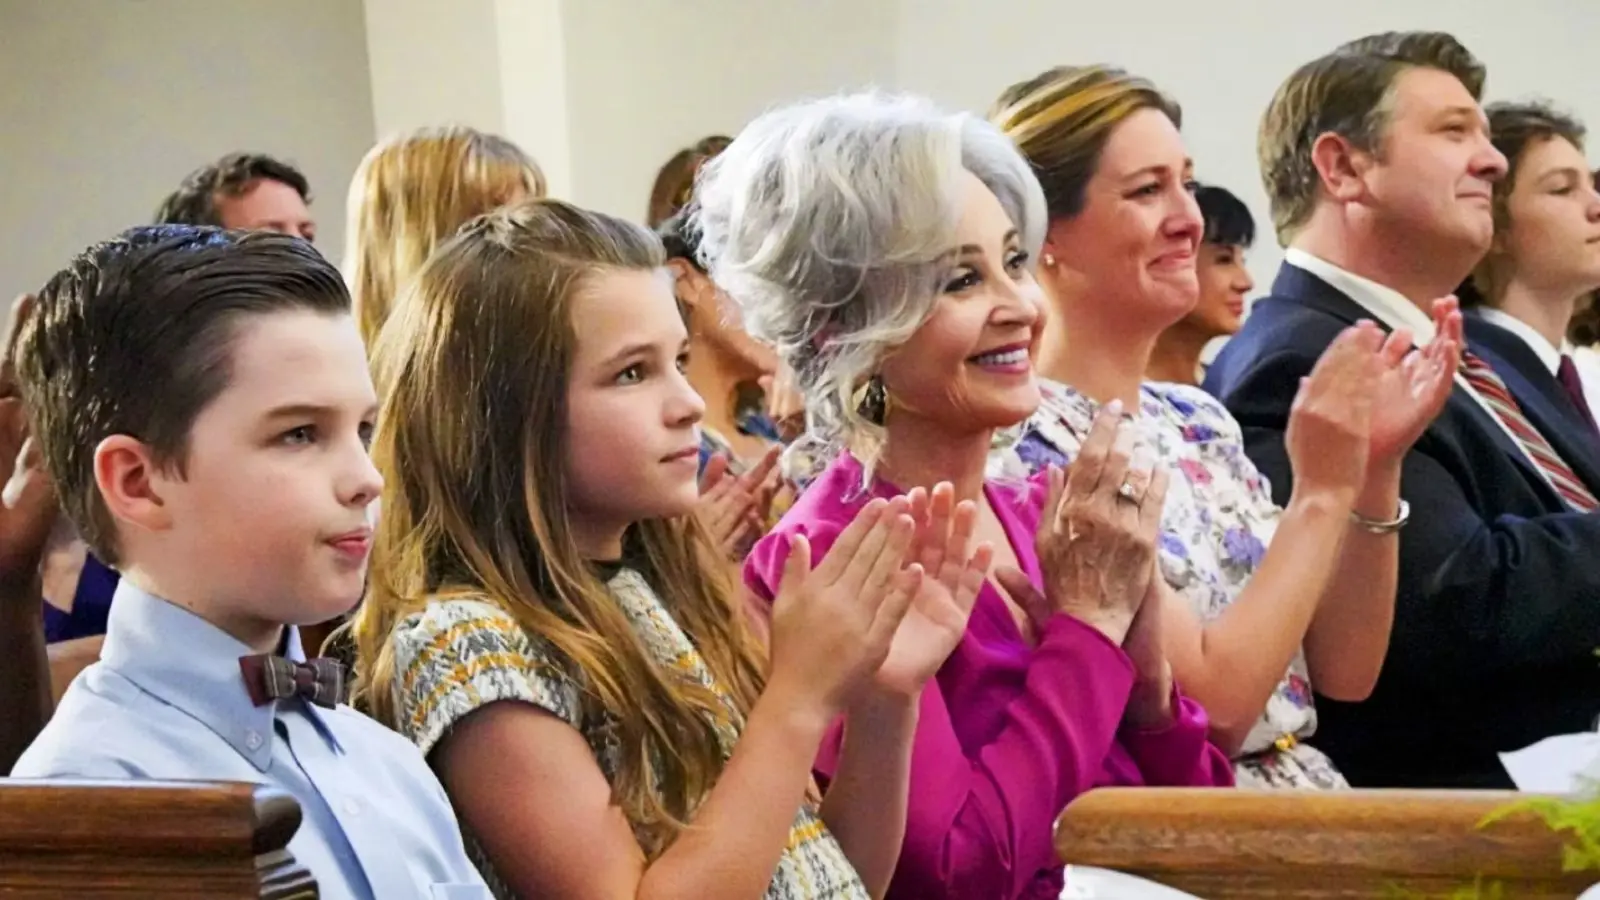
1553,238
1129,254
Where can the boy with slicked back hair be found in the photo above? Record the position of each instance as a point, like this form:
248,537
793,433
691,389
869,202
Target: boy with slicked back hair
203,406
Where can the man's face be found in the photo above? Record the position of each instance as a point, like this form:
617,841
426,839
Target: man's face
267,205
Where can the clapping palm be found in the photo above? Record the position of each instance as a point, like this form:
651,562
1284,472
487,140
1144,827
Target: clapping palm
1414,386
954,572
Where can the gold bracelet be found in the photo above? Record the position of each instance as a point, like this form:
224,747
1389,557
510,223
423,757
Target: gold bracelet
1378,526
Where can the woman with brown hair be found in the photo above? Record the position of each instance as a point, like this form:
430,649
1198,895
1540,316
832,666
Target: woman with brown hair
1248,627
412,192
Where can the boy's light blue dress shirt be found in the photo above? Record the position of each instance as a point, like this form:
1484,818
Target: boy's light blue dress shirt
167,701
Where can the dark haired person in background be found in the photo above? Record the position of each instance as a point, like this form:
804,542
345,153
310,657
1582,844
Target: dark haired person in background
247,191
1230,230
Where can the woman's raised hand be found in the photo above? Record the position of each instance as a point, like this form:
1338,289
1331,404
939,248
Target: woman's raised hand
1097,534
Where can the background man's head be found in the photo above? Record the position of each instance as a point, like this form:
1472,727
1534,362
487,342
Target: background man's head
246,191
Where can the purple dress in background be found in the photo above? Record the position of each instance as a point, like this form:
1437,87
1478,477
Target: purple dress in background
91,605
1009,733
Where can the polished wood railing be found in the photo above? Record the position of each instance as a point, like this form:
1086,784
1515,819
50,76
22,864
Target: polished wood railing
1296,845
92,840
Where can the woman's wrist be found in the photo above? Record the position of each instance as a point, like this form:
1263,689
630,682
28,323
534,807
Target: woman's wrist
1328,504
1379,499
884,710
1150,705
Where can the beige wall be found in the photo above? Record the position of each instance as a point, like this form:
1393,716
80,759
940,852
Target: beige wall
1223,60
106,104
648,77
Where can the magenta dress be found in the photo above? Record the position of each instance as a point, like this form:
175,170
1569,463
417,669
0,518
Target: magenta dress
1009,733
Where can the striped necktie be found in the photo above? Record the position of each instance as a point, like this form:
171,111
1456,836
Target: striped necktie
1560,475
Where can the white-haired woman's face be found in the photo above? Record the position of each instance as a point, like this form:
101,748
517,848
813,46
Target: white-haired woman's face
970,365
1128,256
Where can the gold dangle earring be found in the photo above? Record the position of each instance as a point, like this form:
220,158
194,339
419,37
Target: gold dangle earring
871,400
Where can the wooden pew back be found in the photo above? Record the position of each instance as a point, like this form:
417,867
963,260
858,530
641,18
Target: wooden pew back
1289,845
102,840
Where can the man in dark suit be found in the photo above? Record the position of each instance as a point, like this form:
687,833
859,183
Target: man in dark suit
1380,172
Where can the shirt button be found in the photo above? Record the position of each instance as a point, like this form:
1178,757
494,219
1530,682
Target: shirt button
253,740
352,806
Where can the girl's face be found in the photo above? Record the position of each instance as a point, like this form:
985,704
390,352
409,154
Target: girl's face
633,437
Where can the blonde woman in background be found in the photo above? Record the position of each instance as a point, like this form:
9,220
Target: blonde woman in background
412,192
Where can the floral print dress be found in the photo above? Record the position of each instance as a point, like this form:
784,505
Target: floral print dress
1218,520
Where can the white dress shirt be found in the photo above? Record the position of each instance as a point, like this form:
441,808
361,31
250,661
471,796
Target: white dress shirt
1587,360
1548,354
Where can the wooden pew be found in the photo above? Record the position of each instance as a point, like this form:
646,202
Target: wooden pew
118,840
1286,845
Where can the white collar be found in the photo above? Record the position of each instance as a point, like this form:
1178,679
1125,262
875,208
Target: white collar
1549,355
1386,304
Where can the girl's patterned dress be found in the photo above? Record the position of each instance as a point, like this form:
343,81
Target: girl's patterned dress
1218,520
459,654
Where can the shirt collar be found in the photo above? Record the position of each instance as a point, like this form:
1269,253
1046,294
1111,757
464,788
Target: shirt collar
1549,355
1386,304
188,663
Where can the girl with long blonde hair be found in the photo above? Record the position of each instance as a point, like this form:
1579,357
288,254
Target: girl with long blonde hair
549,623
413,191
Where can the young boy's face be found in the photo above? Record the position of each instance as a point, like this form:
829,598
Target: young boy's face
269,522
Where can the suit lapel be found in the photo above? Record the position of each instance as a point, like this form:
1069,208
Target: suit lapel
1575,450
1514,350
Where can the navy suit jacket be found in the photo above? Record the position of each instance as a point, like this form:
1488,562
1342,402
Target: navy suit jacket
1497,616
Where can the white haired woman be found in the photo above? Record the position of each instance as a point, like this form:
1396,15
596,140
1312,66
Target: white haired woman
884,247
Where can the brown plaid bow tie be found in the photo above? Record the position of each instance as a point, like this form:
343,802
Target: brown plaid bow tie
269,677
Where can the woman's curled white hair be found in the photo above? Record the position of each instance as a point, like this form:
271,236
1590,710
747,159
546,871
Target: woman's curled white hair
832,224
